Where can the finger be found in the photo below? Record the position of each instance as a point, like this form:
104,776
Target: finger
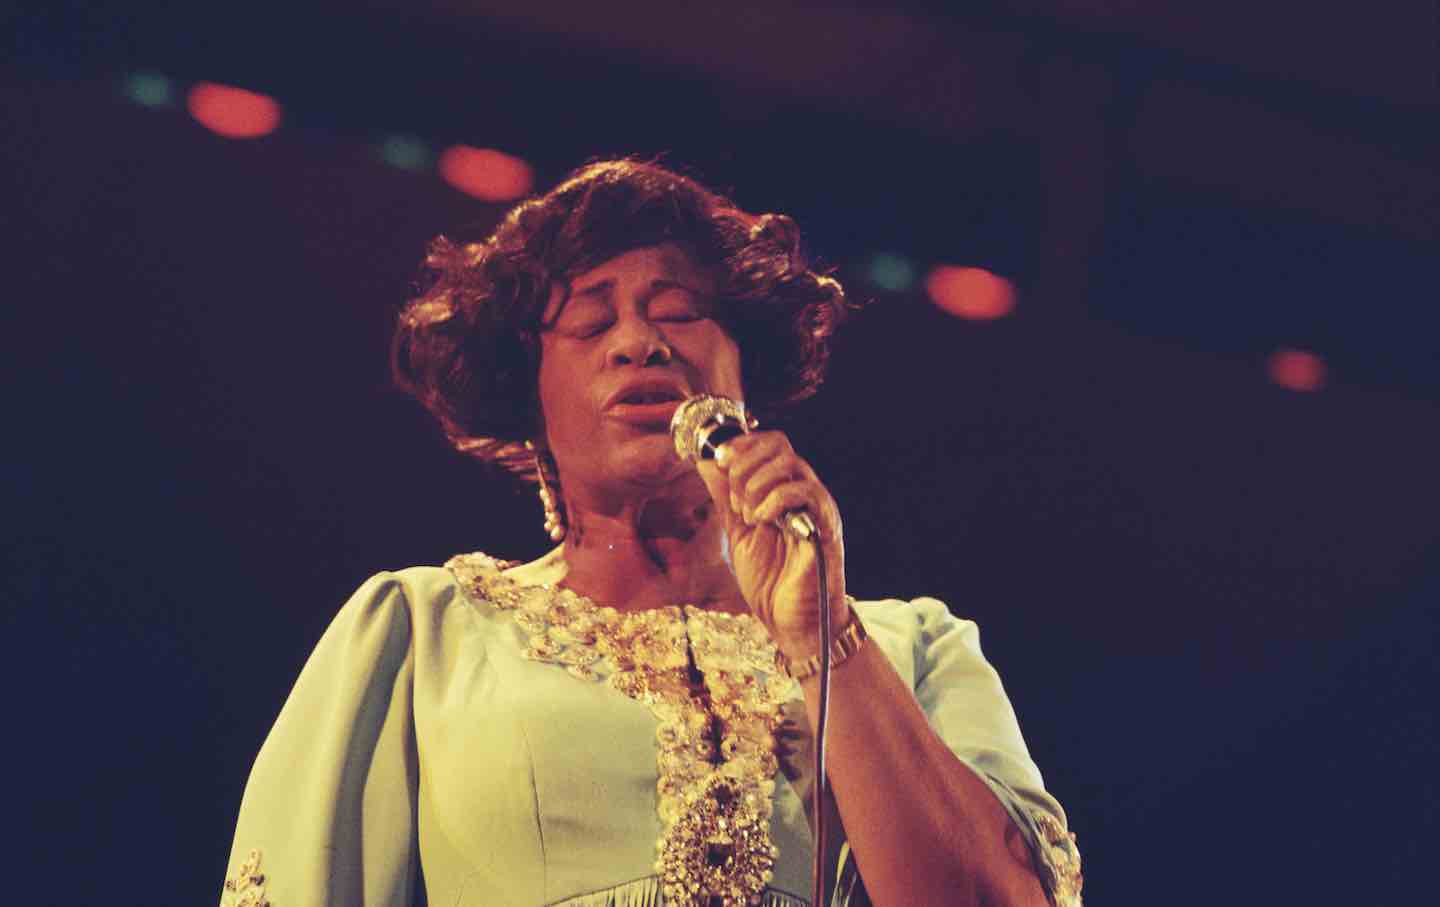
757,445
732,456
745,441
743,455
794,495
762,480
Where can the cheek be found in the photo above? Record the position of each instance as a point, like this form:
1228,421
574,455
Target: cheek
544,383
555,389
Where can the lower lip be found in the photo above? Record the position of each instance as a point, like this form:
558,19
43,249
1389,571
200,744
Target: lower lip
644,414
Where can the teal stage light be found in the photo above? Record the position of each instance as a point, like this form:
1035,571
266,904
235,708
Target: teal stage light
149,89
406,152
892,272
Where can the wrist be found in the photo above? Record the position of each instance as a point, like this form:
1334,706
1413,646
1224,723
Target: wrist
798,643
803,662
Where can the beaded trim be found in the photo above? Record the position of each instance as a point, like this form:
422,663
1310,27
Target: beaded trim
1060,865
714,807
246,888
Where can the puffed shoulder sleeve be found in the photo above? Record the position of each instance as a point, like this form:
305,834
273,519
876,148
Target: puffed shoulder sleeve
962,695
328,815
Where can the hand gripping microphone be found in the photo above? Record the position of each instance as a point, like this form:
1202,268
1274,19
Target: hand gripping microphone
702,423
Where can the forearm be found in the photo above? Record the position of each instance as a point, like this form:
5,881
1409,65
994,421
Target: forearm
923,828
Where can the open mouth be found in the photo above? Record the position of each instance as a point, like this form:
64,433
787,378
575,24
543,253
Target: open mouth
648,398
647,407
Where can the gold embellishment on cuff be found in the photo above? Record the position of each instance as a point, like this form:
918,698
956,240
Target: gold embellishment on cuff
247,887
1060,860
714,806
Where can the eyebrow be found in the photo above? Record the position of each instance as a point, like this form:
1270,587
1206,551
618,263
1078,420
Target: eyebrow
599,288
657,286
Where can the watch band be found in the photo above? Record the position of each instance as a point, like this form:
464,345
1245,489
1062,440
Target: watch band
845,644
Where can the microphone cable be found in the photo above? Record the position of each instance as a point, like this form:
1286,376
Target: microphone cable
822,717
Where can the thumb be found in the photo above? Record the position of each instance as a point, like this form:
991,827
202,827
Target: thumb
717,483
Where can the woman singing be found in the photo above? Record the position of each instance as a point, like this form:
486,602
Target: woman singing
610,724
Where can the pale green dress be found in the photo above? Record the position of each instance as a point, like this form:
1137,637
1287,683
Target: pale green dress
470,736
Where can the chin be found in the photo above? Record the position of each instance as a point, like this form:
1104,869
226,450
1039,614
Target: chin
649,461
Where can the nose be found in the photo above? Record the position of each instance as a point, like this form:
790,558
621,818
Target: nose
637,341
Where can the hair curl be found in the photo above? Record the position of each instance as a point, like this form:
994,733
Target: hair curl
467,347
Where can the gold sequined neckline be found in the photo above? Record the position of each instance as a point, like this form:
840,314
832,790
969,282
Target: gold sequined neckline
594,641
715,797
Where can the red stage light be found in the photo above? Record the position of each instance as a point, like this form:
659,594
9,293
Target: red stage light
488,175
1297,370
970,293
233,112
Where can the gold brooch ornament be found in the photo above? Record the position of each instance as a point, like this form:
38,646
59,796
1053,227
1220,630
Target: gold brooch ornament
718,846
715,751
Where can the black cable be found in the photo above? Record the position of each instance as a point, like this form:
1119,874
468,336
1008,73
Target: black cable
822,715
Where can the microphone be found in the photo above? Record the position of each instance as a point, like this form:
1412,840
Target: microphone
702,423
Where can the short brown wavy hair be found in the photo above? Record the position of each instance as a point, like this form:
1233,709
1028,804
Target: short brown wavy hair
467,346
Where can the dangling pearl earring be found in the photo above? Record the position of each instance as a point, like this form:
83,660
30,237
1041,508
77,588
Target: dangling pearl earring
554,522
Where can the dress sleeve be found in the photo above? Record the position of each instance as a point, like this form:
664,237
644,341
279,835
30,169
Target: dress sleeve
328,815
966,703
961,694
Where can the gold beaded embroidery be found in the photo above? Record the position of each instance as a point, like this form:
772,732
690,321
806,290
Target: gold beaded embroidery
714,808
1061,865
247,887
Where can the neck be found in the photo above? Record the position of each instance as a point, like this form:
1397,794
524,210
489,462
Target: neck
664,547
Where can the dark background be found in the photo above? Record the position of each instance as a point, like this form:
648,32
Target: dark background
1213,600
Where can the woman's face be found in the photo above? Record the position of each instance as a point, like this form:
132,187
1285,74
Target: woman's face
634,337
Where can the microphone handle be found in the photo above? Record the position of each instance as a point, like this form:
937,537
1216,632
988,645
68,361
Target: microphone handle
797,523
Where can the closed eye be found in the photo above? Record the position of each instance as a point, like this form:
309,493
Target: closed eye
591,329
678,307
588,321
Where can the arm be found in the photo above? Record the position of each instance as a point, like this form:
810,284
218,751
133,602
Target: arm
328,816
897,784
928,782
